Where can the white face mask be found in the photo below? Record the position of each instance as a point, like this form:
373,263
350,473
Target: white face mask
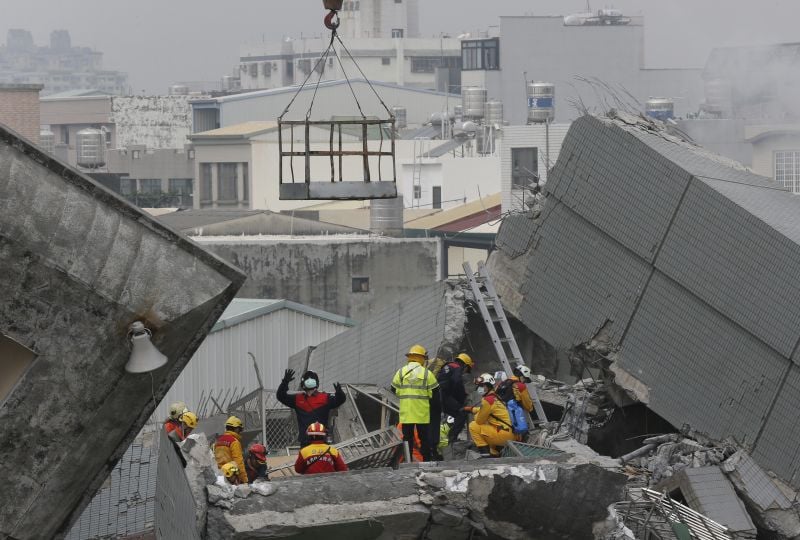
481,390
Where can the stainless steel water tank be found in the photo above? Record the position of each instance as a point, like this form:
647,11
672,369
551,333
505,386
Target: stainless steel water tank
473,100
400,117
47,140
660,108
90,144
458,113
386,216
494,113
541,102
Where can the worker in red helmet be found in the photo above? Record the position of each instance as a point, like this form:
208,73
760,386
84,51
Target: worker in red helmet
310,405
318,457
256,462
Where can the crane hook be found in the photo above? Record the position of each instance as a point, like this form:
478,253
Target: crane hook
332,20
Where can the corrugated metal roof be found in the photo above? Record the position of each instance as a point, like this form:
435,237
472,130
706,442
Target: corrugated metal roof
245,309
455,214
445,148
213,222
245,129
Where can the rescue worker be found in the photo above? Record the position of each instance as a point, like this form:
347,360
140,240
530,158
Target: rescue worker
491,428
309,404
256,462
187,422
231,472
414,449
453,392
318,457
418,392
228,447
174,420
522,375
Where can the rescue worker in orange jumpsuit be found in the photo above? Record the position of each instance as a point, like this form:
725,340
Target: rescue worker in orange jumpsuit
187,422
174,420
256,462
491,429
228,447
318,457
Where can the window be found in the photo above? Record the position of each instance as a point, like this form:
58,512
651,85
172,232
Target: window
150,186
127,186
483,54
524,167
181,186
226,181
65,134
290,68
437,196
787,169
14,361
205,181
397,32
417,192
360,284
136,154
386,61
428,64
245,182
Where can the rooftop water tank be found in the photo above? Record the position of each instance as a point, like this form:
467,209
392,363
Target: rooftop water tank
438,118
90,144
660,108
458,113
47,140
386,216
400,117
541,102
494,113
473,100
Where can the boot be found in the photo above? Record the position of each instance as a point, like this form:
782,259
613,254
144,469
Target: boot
484,451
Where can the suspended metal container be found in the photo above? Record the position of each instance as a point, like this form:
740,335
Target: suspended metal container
660,108
90,144
473,100
541,102
494,113
47,140
400,117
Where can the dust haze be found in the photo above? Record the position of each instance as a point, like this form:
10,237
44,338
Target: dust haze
161,42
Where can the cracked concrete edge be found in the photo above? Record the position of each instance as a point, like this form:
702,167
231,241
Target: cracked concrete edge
628,382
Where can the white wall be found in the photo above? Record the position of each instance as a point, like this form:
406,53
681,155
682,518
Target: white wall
525,137
222,362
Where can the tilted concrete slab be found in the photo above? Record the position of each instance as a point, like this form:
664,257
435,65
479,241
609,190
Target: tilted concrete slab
685,263
78,265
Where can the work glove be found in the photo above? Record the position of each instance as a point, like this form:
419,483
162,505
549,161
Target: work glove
338,387
468,409
288,376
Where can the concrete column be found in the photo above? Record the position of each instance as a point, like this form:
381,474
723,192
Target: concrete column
214,184
239,183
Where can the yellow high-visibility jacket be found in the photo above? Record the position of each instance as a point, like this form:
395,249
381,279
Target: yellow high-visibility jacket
414,386
522,395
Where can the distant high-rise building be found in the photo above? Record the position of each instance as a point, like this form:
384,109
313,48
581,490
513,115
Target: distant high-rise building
380,19
60,67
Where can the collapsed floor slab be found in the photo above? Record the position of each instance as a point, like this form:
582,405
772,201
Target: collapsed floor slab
78,265
514,499
684,264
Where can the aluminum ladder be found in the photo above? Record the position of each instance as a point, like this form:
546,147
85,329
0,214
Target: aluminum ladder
497,324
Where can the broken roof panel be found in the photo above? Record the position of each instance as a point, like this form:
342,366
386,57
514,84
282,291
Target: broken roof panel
684,261
78,265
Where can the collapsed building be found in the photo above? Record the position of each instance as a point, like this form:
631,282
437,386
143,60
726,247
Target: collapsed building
78,266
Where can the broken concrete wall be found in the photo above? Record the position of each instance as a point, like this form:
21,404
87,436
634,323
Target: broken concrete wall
319,271
507,499
152,121
686,262
78,265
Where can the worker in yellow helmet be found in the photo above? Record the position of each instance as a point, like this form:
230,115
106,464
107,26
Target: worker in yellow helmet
418,392
491,429
454,394
230,471
228,447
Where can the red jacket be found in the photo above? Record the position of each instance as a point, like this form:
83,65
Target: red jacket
314,408
319,457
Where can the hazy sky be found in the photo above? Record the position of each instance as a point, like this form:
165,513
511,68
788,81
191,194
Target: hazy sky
159,42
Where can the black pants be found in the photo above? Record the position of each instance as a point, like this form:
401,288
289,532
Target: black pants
422,431
461,417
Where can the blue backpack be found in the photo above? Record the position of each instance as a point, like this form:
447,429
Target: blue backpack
519,421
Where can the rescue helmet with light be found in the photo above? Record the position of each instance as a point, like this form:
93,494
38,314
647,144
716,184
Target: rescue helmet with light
316,430
230,469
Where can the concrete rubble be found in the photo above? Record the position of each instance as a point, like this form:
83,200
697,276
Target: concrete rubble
507,498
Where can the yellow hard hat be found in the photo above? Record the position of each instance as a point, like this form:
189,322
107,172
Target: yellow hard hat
467,359
417,351
230,469
234,422
190,419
